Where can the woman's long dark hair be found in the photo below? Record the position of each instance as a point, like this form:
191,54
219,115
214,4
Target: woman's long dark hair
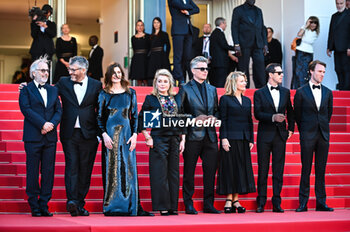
160,28
108,77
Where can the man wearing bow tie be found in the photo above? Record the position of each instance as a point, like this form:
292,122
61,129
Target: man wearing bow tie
95,59
313,104
42,112
78,132
272,106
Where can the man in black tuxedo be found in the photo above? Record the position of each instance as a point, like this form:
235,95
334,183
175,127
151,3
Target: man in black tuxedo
339,42
95,59
42,112
78,131
313,107
42,32
219,50
272,106
203,43
249,37
200,100
181,31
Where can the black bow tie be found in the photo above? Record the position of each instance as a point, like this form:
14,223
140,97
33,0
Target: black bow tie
41,86
78,83
316,87
276,88
206,36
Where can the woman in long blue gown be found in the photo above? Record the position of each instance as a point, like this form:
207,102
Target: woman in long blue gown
117,119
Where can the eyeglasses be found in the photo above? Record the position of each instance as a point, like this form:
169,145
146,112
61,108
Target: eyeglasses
202,69
279,73
314,22
43,70
72,69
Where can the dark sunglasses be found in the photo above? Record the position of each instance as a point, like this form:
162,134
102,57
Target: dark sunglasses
279,73
314,22
202,69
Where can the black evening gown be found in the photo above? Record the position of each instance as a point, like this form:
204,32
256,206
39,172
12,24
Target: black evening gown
138,68
159,53
65,50
117,117
235,174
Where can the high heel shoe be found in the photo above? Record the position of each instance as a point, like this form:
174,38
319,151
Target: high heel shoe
240,209
229,209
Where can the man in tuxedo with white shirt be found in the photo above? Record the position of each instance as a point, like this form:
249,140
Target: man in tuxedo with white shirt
272,106
313,106
42,112
95,59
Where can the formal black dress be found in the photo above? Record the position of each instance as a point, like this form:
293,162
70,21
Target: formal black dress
159,53
138,68
235,173
117,116
66,50
164,156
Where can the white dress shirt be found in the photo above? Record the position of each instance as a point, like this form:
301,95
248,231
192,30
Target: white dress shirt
206,43
275,94
43,92
317,94
80,91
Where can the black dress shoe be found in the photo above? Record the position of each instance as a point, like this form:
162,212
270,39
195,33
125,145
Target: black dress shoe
323,207
83,212
211,210
260,209
164,213
301,208
277,209
190,210
36,213
46,213
72,209
173,212
144,213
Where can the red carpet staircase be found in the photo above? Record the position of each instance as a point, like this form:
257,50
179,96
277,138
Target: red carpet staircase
13,170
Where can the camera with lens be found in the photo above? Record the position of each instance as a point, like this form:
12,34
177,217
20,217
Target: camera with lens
41,14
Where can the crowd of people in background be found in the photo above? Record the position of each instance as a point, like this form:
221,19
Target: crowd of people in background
92,110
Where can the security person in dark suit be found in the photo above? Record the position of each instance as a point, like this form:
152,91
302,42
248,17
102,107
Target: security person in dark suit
313,107
272,106
42,32
42,112
95,59
339,42
200,100
219,49
249,37
181,31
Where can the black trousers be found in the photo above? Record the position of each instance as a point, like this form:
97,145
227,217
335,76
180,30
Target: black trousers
319,146
218,76
258,65
182,46
208,151
164,172
40,156
342,68
278,149
80,156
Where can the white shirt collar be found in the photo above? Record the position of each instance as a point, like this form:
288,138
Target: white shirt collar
311,84
220,29
37,83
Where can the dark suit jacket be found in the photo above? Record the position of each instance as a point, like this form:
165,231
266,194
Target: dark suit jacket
247,31
42,41
339,32
264,108
236,119
87,110
192,103
179,21
36,114
95,63
219,49
307,117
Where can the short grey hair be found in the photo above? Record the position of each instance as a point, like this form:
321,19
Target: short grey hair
198,59
219,20
81,61
35,64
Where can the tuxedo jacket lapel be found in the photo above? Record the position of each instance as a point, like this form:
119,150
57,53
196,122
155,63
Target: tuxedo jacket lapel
88,90
308,91
282,96
36,92
269,97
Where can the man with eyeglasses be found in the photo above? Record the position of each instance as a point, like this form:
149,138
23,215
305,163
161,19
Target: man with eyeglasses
339,42
200,100
41,107
313,107
272,106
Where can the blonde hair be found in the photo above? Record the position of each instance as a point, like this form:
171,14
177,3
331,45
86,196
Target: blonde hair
231,82
163,72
